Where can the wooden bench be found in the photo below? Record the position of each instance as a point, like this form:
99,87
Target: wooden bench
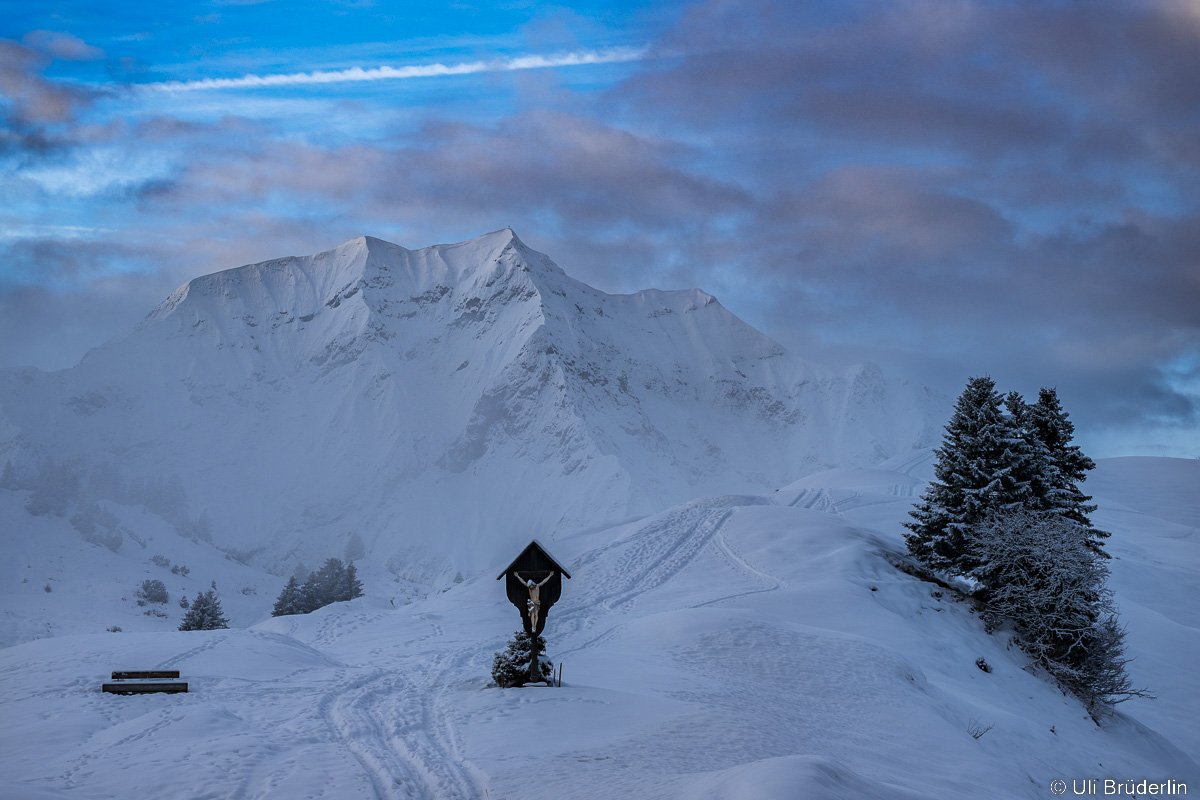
159,674
145,682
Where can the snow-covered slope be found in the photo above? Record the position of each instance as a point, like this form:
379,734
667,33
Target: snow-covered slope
735,646
428,409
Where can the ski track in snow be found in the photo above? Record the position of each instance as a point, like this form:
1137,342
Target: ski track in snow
745,567
652,556
350,715
856,501
910,465
816,499
396,727
175,660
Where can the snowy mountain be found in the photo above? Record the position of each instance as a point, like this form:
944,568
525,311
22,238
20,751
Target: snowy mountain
425,410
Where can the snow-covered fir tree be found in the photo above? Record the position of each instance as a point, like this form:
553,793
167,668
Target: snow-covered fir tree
319,586
977,472
1068,466
205,613
334,582
351,586
1033,470
288,601
1038,574
511,666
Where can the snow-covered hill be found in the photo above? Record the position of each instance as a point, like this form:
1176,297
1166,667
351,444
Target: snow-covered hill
424,411
734,646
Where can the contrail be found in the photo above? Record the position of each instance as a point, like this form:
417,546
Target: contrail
358,74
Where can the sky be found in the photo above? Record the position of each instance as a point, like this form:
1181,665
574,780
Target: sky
948,189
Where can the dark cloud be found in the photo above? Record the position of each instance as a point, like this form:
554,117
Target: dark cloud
1059,81
53,261
967,187
37,114
30,99
561,170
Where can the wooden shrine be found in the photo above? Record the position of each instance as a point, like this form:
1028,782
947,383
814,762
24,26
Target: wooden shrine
534,565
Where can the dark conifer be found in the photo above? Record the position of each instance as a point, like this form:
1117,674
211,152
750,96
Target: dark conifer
977,472
511,667
352,585
1069,467
288,601
205,613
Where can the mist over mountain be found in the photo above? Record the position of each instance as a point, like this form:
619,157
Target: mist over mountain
438,406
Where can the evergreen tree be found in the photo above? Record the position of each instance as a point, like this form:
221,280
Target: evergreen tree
351,586
511,667
324,586
288,601
334,582
1027,456
979,470
1069,467
205,613
1038,574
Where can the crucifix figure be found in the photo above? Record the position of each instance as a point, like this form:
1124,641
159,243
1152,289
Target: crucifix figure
534,603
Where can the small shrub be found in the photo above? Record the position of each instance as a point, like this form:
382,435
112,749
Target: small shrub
161,561
152,591
113,629
183,601
155,612
47,588
982,663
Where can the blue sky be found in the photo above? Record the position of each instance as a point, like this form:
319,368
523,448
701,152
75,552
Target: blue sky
946,188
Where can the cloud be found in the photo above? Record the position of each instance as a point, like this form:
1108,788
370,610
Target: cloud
29,99
36,111
386,73
975,79
62,46
558,169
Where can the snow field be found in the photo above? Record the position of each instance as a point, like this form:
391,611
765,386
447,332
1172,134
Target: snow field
729,647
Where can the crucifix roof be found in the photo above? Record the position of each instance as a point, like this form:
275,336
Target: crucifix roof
539,553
